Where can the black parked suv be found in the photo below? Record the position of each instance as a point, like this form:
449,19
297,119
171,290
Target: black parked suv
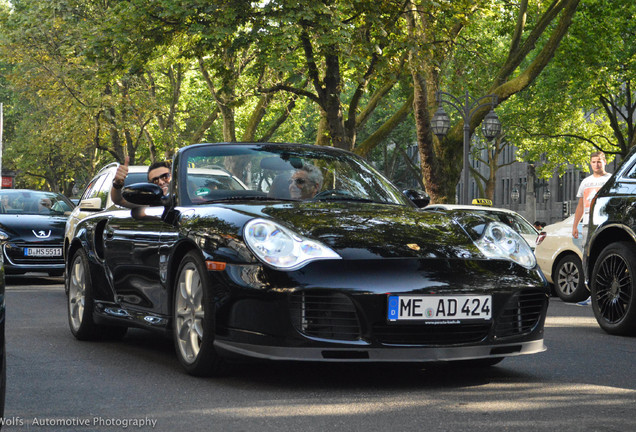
609,258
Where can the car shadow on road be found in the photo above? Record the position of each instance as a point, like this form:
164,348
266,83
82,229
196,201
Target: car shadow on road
372,376
30,279
148,347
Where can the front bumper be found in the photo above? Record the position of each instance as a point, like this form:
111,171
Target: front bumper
15,261
393,354
336,312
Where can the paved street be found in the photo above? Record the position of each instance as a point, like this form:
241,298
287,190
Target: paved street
585,381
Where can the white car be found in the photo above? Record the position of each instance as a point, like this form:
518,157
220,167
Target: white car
202,181
560,260
511,218
95,199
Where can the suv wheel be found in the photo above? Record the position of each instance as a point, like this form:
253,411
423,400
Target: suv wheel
568,280
613,289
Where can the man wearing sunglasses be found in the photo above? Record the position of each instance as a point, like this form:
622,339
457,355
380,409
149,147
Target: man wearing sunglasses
158,173
305,182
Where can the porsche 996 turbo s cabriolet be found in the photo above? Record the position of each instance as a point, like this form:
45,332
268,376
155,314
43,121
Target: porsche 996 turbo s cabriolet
301,253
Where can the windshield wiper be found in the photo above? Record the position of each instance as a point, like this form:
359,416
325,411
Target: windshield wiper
244,198
348,198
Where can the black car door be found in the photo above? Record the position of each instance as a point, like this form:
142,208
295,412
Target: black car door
131,251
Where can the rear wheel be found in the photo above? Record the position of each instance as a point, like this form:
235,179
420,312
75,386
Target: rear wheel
81,302
613,288
193,318
568,279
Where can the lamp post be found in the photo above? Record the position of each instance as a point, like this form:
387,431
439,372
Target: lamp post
531,194
440,124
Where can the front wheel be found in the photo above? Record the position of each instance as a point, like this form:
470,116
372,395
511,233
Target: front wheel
613,289
193,318
568,279
81,302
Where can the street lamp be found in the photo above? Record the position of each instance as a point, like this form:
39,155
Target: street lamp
515,194
440,124
546,194
531,188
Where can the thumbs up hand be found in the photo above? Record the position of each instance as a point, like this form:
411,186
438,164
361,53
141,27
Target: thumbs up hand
121,174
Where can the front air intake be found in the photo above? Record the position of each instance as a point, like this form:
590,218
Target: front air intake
521,313
324,315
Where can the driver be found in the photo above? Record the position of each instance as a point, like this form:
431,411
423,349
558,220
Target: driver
305,182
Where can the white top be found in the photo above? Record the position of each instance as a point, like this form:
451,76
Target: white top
587,190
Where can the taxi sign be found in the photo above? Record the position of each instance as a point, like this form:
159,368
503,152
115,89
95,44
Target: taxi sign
482,201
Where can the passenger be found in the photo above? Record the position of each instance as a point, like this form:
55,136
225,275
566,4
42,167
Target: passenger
158,173
305,183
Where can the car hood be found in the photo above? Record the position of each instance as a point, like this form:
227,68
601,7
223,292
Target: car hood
362,230
33,227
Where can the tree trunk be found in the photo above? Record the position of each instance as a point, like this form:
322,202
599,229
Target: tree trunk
442,162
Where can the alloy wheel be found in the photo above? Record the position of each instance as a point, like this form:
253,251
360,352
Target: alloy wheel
568,278
189,313
613,283
77,293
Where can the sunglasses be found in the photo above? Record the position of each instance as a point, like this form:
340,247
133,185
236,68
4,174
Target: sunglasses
299,181
164,177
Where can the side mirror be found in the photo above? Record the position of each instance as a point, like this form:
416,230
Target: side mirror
148,194
418,197
91,204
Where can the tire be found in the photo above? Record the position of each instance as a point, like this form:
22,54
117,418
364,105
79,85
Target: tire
81,302
568,280
193,318
613,287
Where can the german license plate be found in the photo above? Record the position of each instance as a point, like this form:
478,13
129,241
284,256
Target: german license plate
431,308
43,252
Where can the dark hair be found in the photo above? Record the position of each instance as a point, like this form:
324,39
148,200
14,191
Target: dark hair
159,164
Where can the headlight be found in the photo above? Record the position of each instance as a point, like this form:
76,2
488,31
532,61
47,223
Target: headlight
501,241
281,248
3,235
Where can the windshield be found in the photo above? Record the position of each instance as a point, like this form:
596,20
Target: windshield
33,202
279,172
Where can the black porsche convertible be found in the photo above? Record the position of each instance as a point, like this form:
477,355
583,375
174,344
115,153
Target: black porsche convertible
305,253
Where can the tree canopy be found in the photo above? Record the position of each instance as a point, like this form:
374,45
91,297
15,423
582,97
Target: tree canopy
88,82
